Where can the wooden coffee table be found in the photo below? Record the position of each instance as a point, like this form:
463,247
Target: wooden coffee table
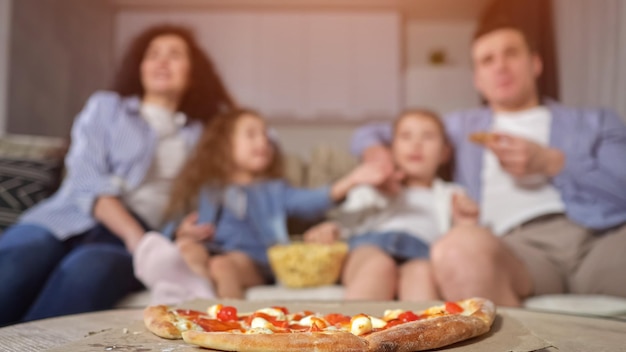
122,330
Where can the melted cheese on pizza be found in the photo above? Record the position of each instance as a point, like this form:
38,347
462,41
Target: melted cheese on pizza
278,320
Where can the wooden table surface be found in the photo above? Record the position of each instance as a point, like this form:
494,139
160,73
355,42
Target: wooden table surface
560,332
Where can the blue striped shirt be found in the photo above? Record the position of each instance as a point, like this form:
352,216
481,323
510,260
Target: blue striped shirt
112,149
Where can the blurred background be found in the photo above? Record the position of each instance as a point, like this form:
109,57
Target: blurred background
315,68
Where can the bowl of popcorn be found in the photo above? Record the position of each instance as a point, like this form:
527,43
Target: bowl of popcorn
303,264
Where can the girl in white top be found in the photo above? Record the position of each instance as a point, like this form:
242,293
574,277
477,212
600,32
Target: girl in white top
390,233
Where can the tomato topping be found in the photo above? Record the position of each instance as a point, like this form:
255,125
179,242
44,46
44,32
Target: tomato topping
317,324
283,324
393,323
267,317
315,328
300,315
279,323
335,319
283,309
408,316
227,313
189,313
298,327
216,325
453,308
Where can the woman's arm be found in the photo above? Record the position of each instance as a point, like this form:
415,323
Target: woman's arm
95,188
88,167
112,213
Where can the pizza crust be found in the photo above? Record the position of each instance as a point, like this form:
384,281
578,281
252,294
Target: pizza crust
161,322
426,334
436,332
294,342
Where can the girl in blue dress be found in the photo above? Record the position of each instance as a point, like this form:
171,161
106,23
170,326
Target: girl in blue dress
238,202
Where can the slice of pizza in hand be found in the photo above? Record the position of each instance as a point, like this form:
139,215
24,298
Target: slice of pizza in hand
275,329
482,138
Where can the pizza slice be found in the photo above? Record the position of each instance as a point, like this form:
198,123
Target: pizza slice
275,329
482,137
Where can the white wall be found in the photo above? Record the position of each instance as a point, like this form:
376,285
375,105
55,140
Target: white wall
5,29
61,52
295,63
442,88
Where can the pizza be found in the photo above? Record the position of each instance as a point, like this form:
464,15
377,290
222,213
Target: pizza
481,137
276,329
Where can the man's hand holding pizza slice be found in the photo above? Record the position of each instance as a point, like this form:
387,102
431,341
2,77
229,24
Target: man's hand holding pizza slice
519,156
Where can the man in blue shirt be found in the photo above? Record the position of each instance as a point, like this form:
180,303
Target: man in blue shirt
551,182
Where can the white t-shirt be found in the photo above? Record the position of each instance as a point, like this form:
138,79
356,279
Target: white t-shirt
506,201
423,212
151,197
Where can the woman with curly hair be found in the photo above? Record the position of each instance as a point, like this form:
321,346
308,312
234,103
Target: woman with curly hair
72,253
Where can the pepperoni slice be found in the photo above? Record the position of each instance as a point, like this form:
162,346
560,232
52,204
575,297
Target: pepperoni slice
251,317
453,308
189,313
283,309
393,323
314,328
298,328
337,319
279,324
216,325
408,316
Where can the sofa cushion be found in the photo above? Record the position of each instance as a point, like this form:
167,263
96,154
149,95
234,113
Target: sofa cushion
327,164
30,170
23,183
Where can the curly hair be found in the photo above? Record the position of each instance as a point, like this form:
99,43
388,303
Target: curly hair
211,163
206,95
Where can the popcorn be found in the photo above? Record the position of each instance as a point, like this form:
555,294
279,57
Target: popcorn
307,264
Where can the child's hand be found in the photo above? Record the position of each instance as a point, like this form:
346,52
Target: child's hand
464,210
326,232
371,173
381,156
190,229
367,173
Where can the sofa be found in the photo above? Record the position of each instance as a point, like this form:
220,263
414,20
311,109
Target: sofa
31,168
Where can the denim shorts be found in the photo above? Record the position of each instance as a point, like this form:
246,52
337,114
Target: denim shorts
399,245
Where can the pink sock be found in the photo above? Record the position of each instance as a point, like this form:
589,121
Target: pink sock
159,265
